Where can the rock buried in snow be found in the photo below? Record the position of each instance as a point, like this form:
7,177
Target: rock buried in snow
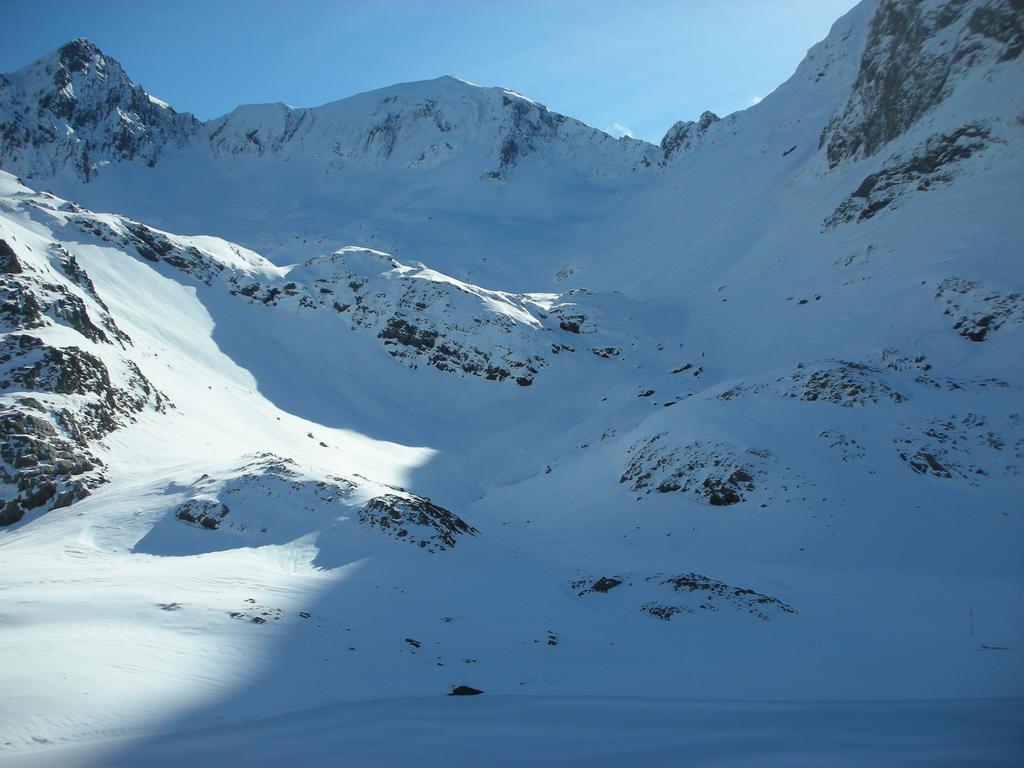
274,500
714,473
602,585
841,382
465,690
977,309
415,519
202,512
664,596
967,447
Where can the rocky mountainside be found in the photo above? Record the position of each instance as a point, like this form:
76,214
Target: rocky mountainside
432,388
916,56
76,110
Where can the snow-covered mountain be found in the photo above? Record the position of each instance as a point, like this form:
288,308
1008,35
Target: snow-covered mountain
432,386
76,110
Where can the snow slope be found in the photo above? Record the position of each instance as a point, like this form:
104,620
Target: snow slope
607,430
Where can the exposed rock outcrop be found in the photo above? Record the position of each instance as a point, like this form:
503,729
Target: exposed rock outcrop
915,55
684,136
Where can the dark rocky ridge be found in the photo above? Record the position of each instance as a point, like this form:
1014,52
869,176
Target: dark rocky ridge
59,400
934,163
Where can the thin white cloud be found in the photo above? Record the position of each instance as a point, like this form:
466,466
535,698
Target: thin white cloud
618,129
756,100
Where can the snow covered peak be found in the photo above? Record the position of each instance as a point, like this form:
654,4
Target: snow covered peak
424,124
76,109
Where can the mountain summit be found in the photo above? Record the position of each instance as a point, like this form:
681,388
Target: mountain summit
424,124
76,109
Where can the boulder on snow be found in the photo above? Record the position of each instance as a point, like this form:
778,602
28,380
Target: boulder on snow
465,690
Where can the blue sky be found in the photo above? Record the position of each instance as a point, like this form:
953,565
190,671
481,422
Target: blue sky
616,65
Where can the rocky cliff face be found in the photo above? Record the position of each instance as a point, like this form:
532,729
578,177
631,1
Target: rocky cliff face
67,379
917,53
